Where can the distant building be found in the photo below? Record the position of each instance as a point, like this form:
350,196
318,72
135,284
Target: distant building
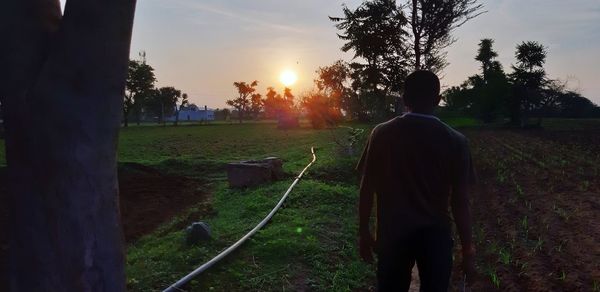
193,113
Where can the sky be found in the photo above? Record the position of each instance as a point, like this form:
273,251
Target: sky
203,46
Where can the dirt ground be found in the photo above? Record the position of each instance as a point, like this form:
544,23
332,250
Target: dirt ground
147,198
537,210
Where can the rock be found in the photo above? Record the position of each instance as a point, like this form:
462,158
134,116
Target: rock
198,231
254,172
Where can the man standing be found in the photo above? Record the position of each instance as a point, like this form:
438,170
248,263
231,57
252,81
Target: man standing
416,166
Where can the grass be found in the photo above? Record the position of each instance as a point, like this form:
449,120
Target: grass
310,243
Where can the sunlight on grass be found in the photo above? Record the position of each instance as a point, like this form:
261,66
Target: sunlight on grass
309,243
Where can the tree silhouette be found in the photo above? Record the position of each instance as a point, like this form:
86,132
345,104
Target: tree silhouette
242,102
431,24
163,101
273,104
256,105
376,32
140,82
62,82
528,77
483,96
333,82
486,56
183,102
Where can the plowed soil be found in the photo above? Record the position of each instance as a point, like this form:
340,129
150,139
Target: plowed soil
537,210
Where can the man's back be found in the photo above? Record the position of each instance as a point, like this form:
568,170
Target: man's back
416,166
414,161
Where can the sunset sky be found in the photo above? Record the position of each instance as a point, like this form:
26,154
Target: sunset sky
203,46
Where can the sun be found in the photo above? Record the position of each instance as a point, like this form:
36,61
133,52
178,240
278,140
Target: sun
288,77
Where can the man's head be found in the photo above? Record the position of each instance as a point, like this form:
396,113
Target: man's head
422,91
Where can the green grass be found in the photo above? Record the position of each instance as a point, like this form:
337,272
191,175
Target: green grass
310,243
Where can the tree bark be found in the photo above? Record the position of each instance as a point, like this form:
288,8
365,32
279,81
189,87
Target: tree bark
416,34
62,81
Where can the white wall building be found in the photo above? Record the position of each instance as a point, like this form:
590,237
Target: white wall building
193,113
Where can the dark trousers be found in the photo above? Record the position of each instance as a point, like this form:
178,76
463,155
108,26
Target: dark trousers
430,248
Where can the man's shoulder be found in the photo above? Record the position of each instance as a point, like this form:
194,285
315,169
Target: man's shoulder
385,126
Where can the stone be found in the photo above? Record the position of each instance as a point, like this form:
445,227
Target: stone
254,172
197,232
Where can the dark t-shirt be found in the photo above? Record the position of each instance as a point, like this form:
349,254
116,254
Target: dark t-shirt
414,161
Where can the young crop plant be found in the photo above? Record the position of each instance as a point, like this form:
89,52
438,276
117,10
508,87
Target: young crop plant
525,226
520,192
585,185
561,245
479,234
562,213
504,256
494,278
563,276
522,266
539,243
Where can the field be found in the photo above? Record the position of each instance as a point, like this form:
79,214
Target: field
536,208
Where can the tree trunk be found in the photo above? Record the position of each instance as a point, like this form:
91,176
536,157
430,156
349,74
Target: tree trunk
416,34
177,117
125,119
63,96
161,119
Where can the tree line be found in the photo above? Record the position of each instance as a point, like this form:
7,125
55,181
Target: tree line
523,95
144,100
389,40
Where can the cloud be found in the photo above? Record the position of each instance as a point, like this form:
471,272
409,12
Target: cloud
231,14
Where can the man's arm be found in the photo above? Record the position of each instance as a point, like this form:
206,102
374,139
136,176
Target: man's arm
367,165
462,218
366,241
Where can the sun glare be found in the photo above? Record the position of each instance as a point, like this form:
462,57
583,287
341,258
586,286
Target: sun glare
288,77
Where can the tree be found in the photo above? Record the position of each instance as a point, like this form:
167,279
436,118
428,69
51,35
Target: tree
140,82
183,102
256,105
486,55
483,95
376,32
222,115
62,81
273,104
242,102
528,77
163,102
572,105
320,109
431,24
333,81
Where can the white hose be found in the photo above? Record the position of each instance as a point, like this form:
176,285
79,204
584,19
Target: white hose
177,285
